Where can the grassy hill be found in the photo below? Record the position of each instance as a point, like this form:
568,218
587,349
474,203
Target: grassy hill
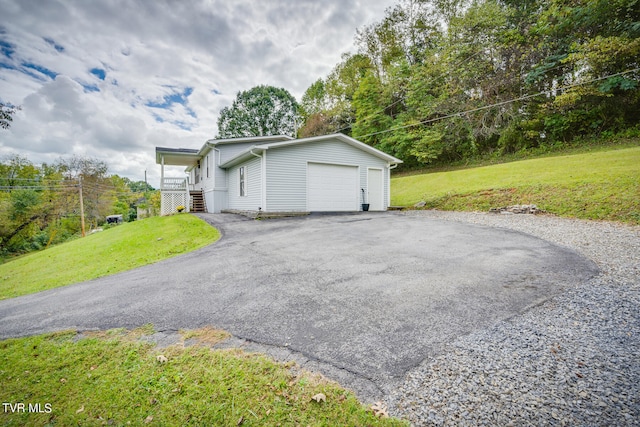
601,185
114,250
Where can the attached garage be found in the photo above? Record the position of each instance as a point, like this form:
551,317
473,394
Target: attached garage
329,173
332,188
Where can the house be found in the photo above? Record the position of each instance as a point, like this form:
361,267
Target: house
278,174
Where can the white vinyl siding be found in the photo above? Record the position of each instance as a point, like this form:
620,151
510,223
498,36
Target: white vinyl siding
253,185
206,174
226,151
286,171
209,200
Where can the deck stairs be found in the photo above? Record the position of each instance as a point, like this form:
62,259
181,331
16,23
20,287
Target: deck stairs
197,201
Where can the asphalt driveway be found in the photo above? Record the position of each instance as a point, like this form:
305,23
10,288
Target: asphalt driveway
372,294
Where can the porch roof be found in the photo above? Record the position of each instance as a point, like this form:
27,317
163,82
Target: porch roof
177,156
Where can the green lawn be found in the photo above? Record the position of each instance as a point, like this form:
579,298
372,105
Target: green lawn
112,378
601,185
116,249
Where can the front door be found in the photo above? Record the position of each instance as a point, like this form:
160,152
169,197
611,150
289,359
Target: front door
375,186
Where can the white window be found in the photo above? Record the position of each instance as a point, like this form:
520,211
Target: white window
207,161
243,185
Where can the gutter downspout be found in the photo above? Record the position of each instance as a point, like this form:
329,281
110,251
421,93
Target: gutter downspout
212,145
395,165
257,155
217,163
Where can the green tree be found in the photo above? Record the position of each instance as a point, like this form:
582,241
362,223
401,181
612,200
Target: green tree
16,168
314,100
407,30
7,111
584,41
24,206
260,111
329,101
39,205
138,186
436,81
314,111
97,189
370,118
123,198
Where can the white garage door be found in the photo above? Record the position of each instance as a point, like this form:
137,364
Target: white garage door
332,188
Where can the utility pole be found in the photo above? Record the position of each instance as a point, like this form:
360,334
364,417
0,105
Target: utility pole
81,207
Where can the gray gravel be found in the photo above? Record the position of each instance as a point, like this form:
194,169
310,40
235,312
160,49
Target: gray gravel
572,360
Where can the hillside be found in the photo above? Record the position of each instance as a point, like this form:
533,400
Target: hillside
114,250
602,185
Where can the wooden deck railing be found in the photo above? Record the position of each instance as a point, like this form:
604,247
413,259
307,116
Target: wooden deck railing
174,184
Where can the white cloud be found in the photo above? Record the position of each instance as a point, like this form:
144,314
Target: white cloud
162,70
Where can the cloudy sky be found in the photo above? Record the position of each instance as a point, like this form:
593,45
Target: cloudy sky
113,79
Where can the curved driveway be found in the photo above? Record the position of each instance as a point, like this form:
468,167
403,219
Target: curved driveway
372,293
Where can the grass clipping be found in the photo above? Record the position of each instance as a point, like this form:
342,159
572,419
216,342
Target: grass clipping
116,378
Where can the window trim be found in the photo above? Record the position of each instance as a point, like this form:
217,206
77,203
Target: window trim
242,180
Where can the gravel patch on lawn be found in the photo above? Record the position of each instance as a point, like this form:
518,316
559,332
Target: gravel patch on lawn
572,360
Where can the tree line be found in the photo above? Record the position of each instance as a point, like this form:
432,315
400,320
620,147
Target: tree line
438,81
40,204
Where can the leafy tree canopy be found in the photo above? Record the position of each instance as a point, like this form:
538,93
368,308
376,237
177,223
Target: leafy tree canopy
260,111
439,81
6,115
40,205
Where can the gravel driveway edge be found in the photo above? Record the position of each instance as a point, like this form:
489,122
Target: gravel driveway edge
572,360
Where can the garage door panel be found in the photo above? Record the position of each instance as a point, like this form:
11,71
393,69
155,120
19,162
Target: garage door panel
332,187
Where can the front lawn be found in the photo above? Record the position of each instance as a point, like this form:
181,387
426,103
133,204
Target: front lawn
113,378
116,249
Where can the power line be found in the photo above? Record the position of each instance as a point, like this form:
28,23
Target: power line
107,188
498,104
447,72
68,186
422,86
481,49
38,187
33,179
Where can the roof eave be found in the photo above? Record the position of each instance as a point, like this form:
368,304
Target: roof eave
258,140
243,156
344,138
185,155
